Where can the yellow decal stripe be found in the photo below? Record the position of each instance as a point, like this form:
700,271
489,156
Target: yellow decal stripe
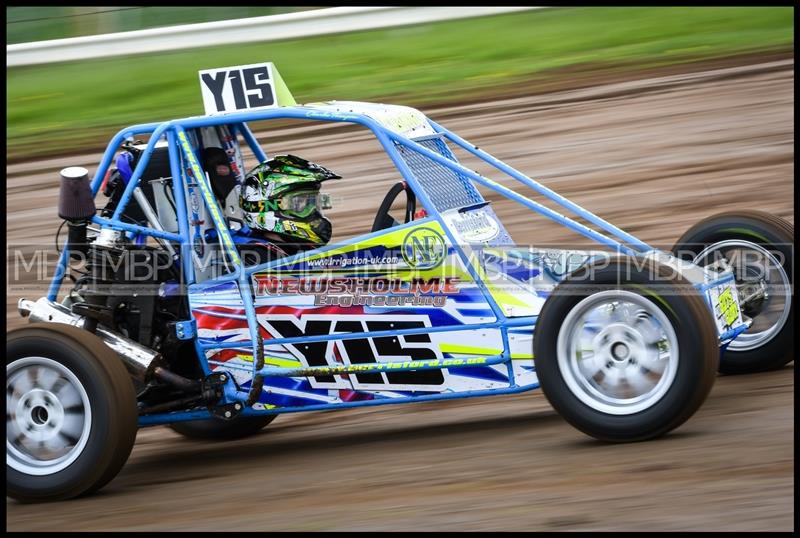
390,239
199,177
473,350
468,350
274,361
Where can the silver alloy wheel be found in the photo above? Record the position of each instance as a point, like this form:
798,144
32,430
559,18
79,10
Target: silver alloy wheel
774,312
617,352
48,416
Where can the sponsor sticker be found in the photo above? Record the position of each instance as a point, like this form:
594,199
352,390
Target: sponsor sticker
726,307
473,226
350,291
424,248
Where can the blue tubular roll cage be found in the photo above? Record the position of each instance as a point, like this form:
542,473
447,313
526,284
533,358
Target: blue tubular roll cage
182,156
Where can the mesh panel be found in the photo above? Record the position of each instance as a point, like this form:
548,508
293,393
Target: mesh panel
446,188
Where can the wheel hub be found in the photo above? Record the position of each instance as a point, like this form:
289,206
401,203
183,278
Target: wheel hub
619,345
618,352
48,416
40,415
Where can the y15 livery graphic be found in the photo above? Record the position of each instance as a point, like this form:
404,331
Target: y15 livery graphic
228,328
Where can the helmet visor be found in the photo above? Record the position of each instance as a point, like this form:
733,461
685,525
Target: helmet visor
303,203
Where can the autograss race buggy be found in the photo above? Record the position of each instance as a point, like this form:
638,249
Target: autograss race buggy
627,341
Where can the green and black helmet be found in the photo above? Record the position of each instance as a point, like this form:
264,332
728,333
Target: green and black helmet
282,196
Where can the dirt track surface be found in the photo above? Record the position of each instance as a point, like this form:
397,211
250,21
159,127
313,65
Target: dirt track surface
500,463
652,156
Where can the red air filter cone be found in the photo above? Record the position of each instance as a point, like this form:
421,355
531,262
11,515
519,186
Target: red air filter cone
75,201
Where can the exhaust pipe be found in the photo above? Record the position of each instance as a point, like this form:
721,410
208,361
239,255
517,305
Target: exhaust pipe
140,361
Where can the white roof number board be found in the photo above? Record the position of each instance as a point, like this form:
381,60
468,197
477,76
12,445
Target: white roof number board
238,88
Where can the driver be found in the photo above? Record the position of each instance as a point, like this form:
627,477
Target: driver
282,202
223,180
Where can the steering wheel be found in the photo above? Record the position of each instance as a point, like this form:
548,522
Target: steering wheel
383,219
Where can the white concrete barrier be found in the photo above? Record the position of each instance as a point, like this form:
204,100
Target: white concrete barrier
253,29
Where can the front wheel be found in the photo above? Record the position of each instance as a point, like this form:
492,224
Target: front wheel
625,351
71,417
759,249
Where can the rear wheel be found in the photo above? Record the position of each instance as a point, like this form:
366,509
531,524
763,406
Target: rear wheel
220,430
759,248
71,417
625,352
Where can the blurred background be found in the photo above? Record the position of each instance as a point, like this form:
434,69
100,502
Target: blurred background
26,24
654,118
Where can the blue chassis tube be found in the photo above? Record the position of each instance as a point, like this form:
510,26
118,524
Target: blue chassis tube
175,129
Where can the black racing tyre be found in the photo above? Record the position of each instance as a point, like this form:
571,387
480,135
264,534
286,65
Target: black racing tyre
625,350
71,416
759,247
217,429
